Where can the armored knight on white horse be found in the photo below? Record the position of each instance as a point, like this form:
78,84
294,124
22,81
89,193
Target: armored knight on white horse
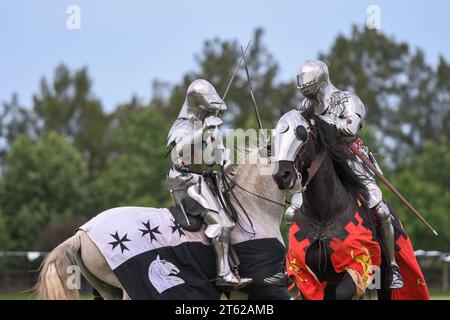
195,144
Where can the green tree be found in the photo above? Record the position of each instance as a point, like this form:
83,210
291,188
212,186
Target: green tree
425,182
15,119
41,181
4,234
69,108
135,174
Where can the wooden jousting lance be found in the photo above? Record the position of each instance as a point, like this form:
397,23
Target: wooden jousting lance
355,149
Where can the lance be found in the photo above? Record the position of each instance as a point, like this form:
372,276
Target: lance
355,149
255,105
232,76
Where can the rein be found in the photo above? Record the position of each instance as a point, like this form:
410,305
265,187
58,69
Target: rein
229,191
314,167
312,171
235,184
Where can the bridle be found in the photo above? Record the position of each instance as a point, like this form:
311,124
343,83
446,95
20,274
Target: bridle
315,164
312,138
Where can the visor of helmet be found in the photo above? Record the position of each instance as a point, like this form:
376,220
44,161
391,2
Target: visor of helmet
308,84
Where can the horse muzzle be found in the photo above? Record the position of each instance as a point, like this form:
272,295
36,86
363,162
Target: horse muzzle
285,176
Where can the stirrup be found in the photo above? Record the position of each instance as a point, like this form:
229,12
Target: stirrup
281,279
397,279
230,280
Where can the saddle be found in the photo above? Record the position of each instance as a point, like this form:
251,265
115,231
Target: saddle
193,224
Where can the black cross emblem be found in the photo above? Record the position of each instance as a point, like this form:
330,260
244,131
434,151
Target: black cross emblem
119,241
148,230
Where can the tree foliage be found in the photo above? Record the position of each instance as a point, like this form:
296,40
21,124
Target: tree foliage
135,173
425,181
41,181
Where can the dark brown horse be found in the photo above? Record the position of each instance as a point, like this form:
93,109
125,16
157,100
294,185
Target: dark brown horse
310,152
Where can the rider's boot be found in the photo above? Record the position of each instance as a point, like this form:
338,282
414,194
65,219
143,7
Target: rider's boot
280,279
387,233
225,276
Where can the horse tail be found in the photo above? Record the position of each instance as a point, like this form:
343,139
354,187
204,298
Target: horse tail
53,278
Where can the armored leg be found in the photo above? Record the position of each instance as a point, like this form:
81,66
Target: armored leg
218,229
380,210
177,183
386,230
221,245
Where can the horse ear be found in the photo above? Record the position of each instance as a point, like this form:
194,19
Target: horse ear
157,257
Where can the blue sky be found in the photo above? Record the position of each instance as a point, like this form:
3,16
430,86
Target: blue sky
126,44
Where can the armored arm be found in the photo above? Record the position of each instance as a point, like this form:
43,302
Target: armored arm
183,140
352,117
204,143
213,140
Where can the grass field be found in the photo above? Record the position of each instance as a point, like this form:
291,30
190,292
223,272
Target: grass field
439,295
27,296
435,295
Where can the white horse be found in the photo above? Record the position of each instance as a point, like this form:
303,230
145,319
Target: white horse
256,238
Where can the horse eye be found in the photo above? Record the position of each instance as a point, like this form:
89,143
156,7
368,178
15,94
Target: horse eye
163,262
301,133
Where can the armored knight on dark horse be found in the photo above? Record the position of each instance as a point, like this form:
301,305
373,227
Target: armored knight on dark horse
338,220
345,111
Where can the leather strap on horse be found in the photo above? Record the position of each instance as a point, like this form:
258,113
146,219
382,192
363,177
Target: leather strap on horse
314,167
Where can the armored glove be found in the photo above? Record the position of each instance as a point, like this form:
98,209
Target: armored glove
348,126
211,122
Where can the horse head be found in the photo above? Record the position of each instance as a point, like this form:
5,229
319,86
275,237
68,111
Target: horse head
294,149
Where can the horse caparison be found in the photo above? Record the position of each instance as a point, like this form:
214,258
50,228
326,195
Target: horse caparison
332,194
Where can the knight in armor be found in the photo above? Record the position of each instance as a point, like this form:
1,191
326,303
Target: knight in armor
346,112
195,144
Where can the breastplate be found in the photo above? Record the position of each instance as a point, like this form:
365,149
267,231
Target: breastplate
337,104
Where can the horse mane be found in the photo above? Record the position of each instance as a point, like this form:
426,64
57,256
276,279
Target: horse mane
241,153
330,138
